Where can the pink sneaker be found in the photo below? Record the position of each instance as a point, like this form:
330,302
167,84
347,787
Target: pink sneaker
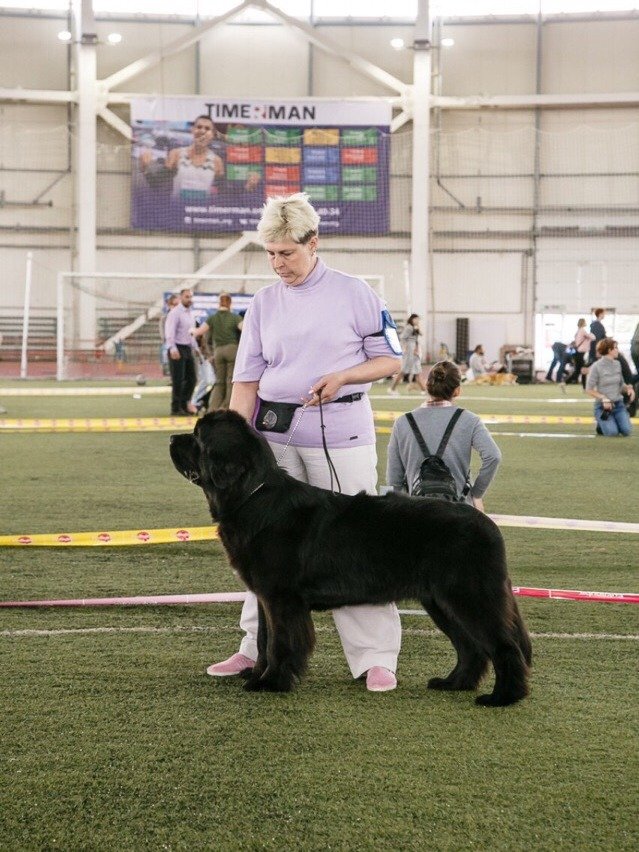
233,666
379,679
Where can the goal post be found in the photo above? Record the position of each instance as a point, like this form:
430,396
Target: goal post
128,307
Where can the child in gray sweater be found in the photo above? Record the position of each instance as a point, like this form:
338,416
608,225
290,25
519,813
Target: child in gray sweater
405,457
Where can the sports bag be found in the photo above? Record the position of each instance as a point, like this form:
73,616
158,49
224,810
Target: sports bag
434,479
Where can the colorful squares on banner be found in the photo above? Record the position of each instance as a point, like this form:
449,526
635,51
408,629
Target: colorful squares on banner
272,189
321,156
283,174
282,136
359,193
326,192
244,153
354,138
321,136
244,135
321,174
242,173
359,174
359,156
282,155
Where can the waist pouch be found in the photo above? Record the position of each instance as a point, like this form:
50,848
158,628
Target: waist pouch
278,416
275,416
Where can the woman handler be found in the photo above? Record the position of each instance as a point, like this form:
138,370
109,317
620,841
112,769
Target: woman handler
317,331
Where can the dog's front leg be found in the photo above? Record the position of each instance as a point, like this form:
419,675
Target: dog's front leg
290,638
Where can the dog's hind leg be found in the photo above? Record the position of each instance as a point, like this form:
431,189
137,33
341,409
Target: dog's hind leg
290,641
472,661
488,618
511,671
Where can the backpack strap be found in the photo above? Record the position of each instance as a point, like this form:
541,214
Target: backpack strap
451,425
418,435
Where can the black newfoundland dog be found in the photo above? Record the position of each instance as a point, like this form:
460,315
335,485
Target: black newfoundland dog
300,548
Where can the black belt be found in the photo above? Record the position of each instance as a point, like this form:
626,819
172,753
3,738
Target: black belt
351,397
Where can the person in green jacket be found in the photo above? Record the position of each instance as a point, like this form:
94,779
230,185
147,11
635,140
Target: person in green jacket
223,329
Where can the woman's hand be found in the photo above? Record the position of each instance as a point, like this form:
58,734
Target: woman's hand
478,503
329,385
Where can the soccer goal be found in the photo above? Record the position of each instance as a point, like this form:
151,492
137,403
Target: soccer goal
109,323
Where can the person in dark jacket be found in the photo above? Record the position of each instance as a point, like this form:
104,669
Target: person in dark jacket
596,328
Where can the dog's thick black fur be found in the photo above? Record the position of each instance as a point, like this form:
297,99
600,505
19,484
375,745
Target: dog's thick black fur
300,548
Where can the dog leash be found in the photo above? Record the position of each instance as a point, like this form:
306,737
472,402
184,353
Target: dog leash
293,430
331,467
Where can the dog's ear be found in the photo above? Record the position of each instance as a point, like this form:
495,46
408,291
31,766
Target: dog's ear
229,449
185,455
222,469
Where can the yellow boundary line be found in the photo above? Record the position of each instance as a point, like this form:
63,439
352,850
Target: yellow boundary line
121,538
110,538
166,424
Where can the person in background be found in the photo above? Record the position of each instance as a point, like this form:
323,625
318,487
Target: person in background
412,356
597,329
404,457
478,362
314,335
581,345
170,302
205,375
634,348
605,383
558,360
222,328
180,344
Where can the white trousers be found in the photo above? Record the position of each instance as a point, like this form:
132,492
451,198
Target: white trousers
370,635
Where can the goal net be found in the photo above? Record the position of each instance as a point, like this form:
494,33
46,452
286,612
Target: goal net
109,325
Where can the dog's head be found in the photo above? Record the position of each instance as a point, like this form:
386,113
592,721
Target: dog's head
223,452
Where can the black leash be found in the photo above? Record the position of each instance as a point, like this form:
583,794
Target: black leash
331,467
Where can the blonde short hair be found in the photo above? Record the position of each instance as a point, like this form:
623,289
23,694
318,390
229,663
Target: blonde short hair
288,218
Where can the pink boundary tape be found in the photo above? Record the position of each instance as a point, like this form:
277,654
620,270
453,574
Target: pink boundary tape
567,595
238,597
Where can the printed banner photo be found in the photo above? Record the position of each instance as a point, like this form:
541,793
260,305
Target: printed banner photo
206,165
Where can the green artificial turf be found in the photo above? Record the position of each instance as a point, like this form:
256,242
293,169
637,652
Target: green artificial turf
113,737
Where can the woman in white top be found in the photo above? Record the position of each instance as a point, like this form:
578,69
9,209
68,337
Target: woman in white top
196,167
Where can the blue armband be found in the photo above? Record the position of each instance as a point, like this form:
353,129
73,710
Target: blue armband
389,330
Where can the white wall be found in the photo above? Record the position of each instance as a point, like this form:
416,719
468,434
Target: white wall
487,264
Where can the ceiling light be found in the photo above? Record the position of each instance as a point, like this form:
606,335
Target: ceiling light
397,43
114,38
447,42
64,35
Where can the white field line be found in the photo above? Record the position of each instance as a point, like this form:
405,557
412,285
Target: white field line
91,631
542,434
153,390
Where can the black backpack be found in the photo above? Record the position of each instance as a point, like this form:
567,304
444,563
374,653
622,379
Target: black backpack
434,479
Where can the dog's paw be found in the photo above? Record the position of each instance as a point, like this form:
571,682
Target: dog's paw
262,685
248,672
497,700
253,684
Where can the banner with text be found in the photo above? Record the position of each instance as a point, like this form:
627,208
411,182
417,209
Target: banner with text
204,165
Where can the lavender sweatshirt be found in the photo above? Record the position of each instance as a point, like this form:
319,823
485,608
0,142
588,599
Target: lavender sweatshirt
292,336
